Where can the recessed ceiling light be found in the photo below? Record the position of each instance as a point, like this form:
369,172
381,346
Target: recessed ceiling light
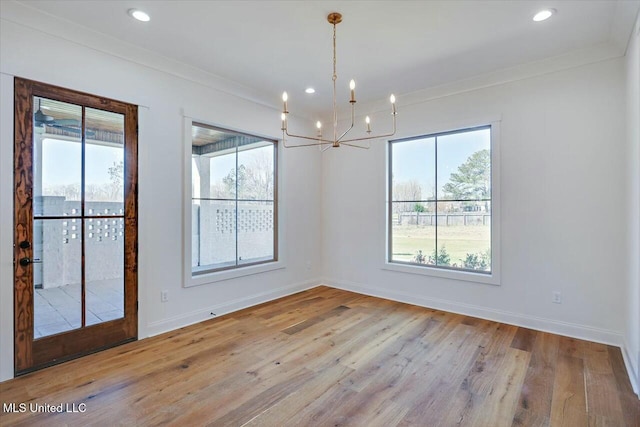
543,15
310,90
139,15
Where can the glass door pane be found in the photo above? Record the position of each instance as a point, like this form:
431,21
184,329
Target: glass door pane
104,163
104,212
57,276
104,269
57,158
57,225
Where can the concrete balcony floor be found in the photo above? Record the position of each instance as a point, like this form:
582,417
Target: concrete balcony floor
59,309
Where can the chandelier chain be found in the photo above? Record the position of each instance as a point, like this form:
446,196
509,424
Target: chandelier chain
335,77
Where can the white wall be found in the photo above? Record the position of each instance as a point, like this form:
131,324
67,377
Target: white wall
30,53
563,204
632,323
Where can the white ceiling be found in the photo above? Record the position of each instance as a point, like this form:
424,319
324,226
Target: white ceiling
386,46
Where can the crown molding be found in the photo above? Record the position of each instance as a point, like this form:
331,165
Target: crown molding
577,58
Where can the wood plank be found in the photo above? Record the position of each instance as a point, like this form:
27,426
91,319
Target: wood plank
524,339
281,412
537,390
314,320
603,401
630,404
447,394
501,402
569,404
489,363
572,347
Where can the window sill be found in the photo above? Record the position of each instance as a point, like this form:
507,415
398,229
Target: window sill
218,276
488,279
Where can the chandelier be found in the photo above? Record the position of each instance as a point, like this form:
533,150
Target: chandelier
338,139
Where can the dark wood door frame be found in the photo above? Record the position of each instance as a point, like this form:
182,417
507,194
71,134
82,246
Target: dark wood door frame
32,354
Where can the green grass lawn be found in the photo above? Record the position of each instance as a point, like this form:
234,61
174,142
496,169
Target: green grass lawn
458,241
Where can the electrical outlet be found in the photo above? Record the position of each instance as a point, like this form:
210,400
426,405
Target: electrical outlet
164,296
557,298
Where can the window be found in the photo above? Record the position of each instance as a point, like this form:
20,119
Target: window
441,209
233,200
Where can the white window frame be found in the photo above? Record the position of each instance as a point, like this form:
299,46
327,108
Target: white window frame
492,278
190,279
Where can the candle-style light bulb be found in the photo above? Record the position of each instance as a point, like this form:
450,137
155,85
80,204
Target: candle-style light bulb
352,86
284,100
392,98
367,120
319,125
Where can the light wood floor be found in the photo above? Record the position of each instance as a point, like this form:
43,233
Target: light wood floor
327,357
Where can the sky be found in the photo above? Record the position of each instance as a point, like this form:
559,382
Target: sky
415,159
61,162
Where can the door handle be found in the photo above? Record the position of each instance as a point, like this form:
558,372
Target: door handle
26,261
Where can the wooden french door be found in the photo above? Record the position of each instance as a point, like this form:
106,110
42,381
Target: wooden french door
75,242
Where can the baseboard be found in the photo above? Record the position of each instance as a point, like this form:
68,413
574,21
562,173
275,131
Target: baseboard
573,330
172,323
632,368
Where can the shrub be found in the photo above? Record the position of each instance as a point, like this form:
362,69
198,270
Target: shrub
440,257
420,258
478,261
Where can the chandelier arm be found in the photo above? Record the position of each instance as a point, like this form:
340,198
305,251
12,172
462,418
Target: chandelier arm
368,138
375,136
355,146
352,123
344,133
302,145
321,140
316,144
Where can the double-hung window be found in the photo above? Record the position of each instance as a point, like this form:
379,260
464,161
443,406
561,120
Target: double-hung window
233,199
441,201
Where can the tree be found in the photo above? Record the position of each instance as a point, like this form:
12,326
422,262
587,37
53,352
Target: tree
259,183
230,179
406,190
473,178
255,178
116,176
